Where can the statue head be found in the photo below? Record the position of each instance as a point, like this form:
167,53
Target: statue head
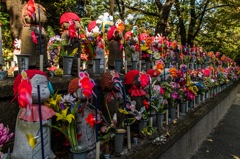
30,13
110,81
66,18
35,78
82,87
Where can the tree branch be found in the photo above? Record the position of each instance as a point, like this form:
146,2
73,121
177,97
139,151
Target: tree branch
159,4
143,11
213,8
201,19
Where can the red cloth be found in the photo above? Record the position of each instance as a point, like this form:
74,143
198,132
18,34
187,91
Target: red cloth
30,74
136,92
130,76
66,17
47,113
110,33
91,25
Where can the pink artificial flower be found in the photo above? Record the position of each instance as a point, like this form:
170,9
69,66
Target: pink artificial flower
174,85
174,95
104,129
156,88
143,79
162,90
165,101
4,137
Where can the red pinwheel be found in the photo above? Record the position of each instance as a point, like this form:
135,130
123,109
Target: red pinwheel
86,84
31,9
90,120
72,30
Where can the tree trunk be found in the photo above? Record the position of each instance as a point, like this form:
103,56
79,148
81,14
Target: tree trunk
111,7
181,24
192,23
14,8
163,18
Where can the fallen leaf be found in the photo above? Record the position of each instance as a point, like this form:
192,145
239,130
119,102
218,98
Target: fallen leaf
235,157
174,122
209,140
213,130
222,123
207,151
167,133
222,129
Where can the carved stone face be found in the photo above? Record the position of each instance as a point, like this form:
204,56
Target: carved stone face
66,25
42,81
79,95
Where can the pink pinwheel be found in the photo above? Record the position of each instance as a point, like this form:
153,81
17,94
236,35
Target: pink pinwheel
143,79
206,72
31,9
34,37
4,137
86,84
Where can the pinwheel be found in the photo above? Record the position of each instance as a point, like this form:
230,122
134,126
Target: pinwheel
17,43
86,84
24,93
72,30
31,9
143,79
90,120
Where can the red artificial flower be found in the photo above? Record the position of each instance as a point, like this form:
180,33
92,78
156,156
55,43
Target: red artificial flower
146,103
67,143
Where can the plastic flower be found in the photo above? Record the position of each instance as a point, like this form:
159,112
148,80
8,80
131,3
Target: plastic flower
146,103
159,65
162,90
174,95
67,99
157,56
64,116
173,72
31,140
123,111
58,71
4,137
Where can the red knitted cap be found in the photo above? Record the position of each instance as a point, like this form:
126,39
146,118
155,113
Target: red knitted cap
152,73
30,74
73,85
66,17
91,25
128,34
110,33
143,36
130,76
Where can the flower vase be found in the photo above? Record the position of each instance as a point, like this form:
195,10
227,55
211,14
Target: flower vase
148,65
134,65
190,105
159,119
202,98
135,139
117,65
173,113
191,66
106,156
82,154
119,140
2,75
183,108
197,100
96,66
211,93
195,66
23,62
67,65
